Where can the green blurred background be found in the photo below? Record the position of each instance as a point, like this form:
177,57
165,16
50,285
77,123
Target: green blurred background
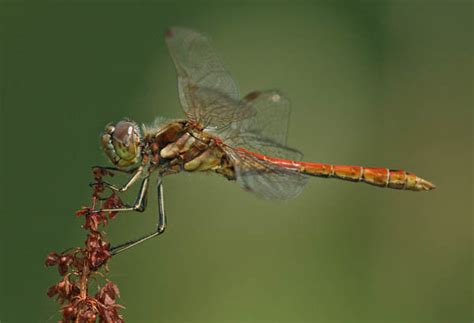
385,84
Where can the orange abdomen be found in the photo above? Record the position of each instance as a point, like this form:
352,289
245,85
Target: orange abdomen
382,177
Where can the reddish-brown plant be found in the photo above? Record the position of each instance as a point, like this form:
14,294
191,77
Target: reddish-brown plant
83,265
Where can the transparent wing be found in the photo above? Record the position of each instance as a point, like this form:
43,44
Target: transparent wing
216,111
266,130
264,178
201,76
258,122
209,95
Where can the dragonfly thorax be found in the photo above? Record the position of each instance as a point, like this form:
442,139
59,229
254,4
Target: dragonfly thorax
121,143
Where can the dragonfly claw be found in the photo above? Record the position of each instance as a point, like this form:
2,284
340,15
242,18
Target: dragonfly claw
113,188
108,185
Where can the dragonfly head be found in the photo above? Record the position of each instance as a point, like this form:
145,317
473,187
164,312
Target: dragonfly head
121,143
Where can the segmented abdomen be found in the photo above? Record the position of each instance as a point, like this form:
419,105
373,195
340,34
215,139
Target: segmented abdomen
382,177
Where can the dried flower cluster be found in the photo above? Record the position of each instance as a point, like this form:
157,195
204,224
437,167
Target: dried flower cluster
77,266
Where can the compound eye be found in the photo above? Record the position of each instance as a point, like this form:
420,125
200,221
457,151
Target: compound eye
125,132
126,140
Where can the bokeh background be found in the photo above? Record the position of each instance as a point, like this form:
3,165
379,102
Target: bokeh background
372,83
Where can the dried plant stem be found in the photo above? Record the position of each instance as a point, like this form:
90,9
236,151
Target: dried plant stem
77,266
84,281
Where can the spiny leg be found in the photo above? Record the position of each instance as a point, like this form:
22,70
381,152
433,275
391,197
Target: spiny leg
116,169
140,202
136,175
160,228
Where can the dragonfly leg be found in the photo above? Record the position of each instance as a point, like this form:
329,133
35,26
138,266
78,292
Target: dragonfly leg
136,175
160,228
140,202
116,169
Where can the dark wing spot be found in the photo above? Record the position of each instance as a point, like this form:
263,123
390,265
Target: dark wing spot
252,96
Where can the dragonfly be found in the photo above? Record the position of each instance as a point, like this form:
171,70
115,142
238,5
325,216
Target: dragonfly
242,139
